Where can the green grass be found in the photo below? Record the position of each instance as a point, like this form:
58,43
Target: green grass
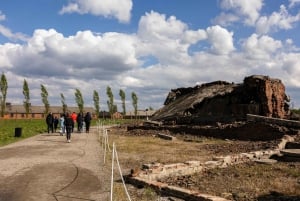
30,127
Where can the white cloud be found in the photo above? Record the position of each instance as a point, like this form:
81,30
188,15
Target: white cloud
83,54
8,33
155,26
220,39
91,61
192,37
225,19
263,47
293,3
248,10
119,9
277,20
164,38
2,16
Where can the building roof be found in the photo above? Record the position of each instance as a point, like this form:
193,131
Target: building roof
141,113
41,109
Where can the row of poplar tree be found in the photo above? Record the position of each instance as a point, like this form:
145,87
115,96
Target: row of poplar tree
112,107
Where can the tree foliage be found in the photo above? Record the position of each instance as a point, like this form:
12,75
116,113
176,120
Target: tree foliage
110,102
63,102
44,95
26,94
134,103
3,87
123,97
79,99
96,102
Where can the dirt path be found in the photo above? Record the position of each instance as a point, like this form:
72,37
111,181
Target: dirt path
46,168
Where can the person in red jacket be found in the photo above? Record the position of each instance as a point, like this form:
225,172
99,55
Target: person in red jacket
74,117
68,124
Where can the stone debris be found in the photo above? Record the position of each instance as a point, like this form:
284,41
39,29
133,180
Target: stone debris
221,101
151,174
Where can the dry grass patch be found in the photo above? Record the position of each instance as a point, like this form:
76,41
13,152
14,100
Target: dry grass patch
135,151
243,182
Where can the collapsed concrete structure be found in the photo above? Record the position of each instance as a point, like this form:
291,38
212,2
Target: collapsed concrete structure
222,101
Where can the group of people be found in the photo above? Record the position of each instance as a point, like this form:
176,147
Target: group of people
67,123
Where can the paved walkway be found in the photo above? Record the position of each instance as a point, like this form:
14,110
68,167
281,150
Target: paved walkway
46,168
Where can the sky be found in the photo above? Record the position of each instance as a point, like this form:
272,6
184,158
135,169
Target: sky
145,47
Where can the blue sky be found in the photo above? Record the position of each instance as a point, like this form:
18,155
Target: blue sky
146,47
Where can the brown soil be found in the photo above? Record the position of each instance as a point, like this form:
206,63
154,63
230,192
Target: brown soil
244,182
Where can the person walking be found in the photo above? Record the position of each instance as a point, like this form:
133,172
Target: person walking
68,124
74,117
87,120
79,122
55,122
50,121
62,124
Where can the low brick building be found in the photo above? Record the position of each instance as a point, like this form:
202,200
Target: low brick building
38,112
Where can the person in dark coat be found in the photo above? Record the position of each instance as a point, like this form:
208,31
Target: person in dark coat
55,123
50,121
87,121
79,121
68,125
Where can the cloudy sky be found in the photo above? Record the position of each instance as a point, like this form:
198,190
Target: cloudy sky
146,47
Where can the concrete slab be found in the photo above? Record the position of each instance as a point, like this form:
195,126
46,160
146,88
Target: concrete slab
47,168
291,152
266,161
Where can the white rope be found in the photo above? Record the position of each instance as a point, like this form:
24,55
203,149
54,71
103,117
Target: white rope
120,171
104,150
99,125
112,175
106,135
103,136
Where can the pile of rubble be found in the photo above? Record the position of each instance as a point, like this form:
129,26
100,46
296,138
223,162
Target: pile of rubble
222,101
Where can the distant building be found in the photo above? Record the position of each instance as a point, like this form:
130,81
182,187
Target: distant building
38,112
141,114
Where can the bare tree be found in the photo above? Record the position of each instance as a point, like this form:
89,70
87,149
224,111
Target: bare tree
26,101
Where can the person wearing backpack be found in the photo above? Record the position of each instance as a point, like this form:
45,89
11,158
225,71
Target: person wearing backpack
68,125
87,120
50,121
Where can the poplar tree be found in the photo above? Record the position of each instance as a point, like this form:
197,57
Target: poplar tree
44,95
3,87
79,100
134,103
110,102
123,97
96,102
63,102
26,94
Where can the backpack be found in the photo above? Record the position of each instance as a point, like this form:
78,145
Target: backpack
69,122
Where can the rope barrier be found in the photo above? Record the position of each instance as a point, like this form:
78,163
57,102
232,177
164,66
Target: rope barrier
106,147
112,174
120,171
106,138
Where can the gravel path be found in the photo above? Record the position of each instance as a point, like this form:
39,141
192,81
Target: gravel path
46,168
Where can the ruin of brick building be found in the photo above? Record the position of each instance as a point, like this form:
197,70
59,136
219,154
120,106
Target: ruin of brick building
223,101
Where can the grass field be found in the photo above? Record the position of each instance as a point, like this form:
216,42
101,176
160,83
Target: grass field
30,127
